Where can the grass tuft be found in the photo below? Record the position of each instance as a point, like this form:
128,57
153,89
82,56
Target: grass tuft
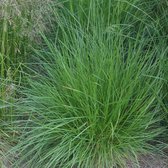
96,88
93,101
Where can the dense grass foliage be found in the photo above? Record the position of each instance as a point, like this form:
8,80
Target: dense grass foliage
95,86
152,13
94,99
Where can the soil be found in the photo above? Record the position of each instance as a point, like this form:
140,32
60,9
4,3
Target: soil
147,161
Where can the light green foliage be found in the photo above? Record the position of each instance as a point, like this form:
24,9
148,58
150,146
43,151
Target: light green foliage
94,99
96,87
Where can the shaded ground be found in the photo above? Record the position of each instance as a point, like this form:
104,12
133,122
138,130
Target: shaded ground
147,161
154,162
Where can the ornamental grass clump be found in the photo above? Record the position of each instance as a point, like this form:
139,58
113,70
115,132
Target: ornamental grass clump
92,100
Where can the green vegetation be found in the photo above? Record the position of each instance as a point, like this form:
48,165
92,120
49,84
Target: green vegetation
19,27
20,23
83,83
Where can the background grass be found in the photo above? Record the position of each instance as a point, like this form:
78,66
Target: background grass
20,23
